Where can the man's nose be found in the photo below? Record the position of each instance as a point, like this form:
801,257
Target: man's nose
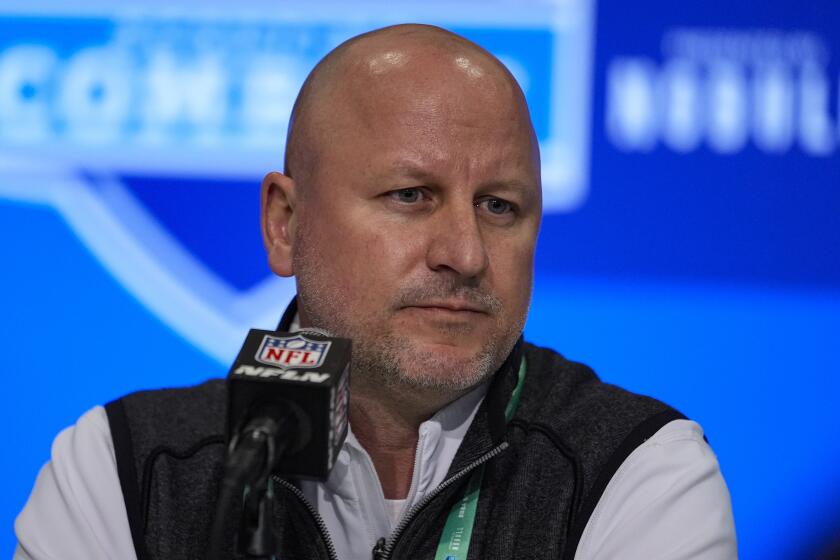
457,242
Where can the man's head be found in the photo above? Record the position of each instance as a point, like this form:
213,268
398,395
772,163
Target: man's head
409,207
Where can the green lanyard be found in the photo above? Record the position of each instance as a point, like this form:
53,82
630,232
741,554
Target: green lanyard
455,540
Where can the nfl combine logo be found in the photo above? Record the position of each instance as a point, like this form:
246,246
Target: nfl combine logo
292,351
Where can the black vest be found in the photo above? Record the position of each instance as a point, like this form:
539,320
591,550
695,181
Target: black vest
568,437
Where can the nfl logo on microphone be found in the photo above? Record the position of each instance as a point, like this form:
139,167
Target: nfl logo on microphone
292,351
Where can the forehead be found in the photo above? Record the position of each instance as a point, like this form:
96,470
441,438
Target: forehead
432,104
428,81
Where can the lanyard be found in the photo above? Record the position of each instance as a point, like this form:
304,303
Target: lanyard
455,540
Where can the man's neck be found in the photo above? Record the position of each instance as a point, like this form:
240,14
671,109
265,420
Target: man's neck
387,427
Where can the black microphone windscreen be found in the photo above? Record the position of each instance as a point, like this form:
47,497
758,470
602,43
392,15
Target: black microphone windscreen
304,374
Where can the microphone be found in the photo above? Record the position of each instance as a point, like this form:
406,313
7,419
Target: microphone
299,379
288,397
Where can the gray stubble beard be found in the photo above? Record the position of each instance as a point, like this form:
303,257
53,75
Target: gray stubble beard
385,360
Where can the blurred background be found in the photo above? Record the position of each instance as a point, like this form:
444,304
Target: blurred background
690,248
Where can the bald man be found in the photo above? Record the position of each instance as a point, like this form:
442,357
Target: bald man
408,214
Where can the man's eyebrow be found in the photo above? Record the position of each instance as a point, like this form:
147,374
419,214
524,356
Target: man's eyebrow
412,170
527,190
508,185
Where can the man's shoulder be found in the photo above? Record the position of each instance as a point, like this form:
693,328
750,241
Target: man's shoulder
569,398
175,417
558,382
565,407
210,389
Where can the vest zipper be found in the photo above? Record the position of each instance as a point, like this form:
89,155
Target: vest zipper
319,521
381,552
379,549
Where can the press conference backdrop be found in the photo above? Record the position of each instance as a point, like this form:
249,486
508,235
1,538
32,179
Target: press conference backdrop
690,246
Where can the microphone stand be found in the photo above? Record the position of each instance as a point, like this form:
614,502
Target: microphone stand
252,457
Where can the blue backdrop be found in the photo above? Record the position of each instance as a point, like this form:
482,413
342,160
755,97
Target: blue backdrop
689,250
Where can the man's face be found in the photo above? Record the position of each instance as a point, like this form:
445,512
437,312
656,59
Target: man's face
416,232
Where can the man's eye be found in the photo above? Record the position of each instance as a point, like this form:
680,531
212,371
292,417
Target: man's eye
496,205
406,196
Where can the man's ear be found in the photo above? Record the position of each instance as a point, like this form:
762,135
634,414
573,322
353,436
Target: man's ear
278,221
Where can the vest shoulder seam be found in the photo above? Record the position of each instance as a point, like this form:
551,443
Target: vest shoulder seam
641,433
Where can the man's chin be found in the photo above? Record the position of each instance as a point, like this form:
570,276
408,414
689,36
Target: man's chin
400,362
444,367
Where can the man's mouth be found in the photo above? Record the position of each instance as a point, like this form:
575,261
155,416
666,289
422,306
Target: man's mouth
450,306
